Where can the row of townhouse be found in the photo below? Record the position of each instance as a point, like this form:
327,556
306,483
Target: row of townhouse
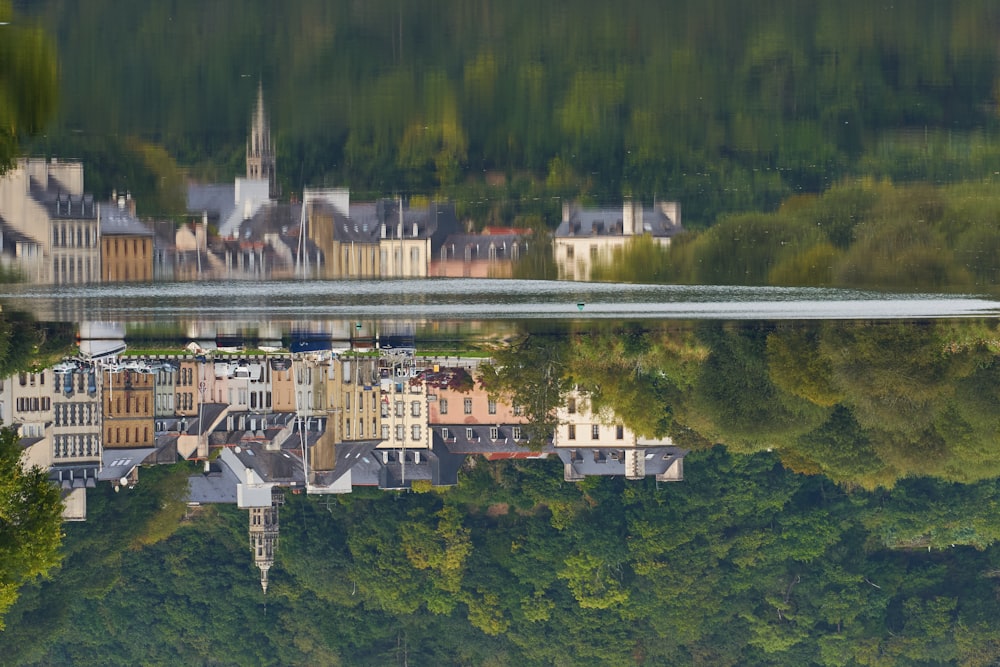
319,424
51,231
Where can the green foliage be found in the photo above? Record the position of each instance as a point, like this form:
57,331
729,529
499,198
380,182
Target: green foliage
30,521
28,82
531,373
730,109
743,563
862,235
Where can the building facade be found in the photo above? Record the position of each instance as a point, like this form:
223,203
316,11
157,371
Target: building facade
588,236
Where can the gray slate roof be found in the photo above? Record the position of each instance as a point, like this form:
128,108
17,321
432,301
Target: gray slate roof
609,461
610,222
117,463
117,221
478,245
218,485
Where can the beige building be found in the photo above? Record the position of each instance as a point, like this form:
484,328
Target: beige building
26,404
347,236
491,254
596,436
588,236
49,225
404,410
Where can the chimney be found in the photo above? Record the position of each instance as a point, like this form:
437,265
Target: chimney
416,230
565,208
672,210
399,228
628,218
384,231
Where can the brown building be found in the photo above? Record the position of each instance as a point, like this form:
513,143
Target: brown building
128,410
126,244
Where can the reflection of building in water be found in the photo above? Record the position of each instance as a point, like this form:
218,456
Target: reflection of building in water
490,254
587,236
260,155
126,244
49,226
256,235
386,238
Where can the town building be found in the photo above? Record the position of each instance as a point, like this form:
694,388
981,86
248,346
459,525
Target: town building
594,444
491,254
48,225
587,236
126,244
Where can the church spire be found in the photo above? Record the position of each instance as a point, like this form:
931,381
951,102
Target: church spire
260,156
264,530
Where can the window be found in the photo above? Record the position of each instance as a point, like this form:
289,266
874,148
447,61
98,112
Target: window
492,407
400,408
569,252
385,431
619,432
400,433
517,410
572,431
494,433
347,401
571,406
347,428
595,432
443,403
470,434
468,406
415,432
445,434
415,408
516,432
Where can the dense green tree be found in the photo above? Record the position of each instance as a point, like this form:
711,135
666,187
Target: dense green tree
531,373
30,521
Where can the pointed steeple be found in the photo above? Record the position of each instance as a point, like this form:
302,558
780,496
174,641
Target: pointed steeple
260,156
264,536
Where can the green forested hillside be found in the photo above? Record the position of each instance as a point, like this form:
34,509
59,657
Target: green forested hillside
865,403
743,563
722,105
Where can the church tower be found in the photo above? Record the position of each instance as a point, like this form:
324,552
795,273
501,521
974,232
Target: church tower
260,156
264,535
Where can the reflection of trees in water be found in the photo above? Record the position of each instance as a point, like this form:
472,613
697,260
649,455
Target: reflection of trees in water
722,106
859,235
28,78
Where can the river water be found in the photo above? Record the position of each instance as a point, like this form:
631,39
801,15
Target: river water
252,302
